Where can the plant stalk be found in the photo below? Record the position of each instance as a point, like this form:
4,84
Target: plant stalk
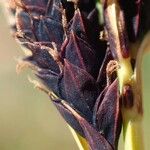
133,135
81,142
132,117
132,96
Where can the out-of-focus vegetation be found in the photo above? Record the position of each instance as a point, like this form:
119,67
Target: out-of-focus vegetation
28,120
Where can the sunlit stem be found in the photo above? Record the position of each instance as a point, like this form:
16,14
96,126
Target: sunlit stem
81,142
125,73
133,134
132,116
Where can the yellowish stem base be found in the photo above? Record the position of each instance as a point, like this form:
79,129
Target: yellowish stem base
133,135
81,142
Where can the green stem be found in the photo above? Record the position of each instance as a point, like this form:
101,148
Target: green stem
133,135
133,132
100,10
125,73
132,117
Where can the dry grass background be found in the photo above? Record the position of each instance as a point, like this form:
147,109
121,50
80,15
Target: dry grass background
28,121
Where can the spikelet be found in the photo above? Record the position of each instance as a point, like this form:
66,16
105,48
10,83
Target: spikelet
76,64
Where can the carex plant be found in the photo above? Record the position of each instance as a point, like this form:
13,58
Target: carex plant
87,55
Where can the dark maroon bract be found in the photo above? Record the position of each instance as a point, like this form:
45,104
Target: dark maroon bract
75,63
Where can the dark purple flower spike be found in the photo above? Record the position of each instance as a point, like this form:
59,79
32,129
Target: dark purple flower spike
74,63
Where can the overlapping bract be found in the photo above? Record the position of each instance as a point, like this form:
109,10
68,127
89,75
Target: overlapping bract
71,60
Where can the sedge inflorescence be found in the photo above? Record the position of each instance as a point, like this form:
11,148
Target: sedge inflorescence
77,57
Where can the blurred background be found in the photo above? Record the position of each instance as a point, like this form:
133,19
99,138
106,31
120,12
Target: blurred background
28,120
